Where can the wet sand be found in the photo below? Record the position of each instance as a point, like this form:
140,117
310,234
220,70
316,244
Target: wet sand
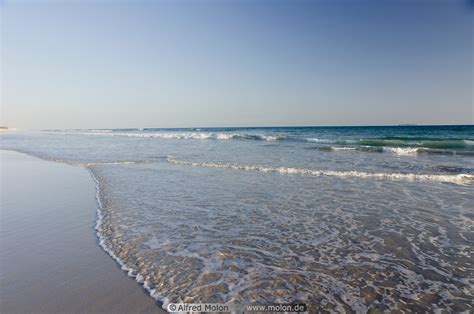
50,260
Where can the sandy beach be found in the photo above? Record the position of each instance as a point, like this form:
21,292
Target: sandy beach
50,259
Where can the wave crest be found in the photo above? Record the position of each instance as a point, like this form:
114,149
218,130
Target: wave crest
460,179
404,151
396,145
184,135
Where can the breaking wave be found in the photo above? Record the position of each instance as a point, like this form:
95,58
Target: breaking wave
437,144
185,135
401,151
461,179
396,145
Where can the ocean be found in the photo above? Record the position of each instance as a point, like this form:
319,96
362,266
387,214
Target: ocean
342,218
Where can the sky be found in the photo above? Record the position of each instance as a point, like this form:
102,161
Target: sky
197,63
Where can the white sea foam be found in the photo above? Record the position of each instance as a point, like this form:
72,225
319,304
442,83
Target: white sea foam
343,148
319,140
403,151
460,179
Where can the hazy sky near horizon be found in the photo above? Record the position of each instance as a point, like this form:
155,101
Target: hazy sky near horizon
105,64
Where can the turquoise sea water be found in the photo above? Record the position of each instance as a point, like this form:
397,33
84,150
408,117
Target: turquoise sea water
338,217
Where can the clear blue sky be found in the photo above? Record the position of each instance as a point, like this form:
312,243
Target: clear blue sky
92,64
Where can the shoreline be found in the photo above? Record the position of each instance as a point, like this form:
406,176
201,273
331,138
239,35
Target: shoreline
130,272
51,259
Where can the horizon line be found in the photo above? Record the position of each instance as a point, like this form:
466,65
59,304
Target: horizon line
248,127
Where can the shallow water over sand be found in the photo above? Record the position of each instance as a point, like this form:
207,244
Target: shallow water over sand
221,237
